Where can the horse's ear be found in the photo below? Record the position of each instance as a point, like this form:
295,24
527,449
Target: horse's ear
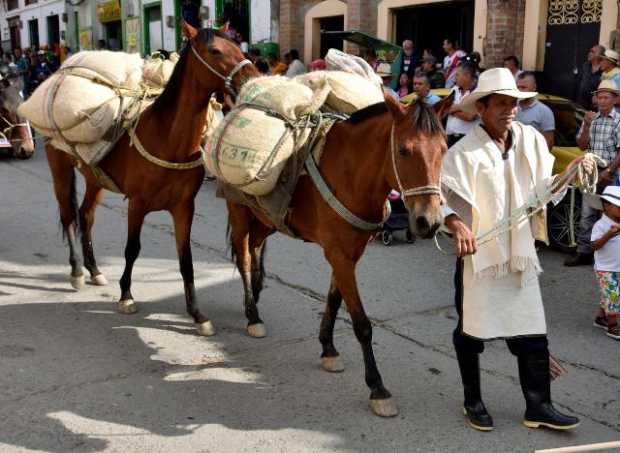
397,110
188,31
443,107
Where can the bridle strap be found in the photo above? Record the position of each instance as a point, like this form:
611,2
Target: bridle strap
10,127
430,189
228,80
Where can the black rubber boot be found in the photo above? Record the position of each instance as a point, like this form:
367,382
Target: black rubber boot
536,384
473,408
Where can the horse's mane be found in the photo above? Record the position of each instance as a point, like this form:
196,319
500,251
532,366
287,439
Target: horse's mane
423,116
170,94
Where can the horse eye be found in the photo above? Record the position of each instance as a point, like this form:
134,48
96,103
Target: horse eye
214,50
403,151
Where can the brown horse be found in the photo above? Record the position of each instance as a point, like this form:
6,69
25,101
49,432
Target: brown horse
171,131
12,126
382,147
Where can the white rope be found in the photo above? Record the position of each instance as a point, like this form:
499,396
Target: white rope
227,79
578,175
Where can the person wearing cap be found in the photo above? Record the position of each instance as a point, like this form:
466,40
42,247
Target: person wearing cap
384,70
599,134
429,68
606,245
590,76
609,66
495,169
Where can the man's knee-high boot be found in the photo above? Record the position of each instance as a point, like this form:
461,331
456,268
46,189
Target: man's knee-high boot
536,384
473,407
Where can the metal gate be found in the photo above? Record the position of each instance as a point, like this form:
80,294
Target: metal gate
573,27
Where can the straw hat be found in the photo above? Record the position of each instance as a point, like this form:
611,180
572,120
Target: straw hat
612,195
608,86
612,56
384,70
494,81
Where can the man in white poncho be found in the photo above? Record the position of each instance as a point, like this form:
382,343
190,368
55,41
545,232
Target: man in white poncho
493,170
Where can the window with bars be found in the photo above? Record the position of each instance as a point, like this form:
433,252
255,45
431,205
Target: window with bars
12,4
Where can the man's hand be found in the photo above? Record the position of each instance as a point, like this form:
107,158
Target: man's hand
589,116
614,230
604,177
464,240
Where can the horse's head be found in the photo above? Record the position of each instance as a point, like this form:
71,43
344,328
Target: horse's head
417,146
220,62
11,124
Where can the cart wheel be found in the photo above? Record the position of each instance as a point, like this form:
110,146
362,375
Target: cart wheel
410,237
386,238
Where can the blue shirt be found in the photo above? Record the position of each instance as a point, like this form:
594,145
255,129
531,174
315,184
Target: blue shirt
431,99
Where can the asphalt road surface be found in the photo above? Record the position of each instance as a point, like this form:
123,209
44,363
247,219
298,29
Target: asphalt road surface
75,375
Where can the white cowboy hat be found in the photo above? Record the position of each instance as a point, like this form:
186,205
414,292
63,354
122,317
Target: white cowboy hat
612,195
384,70
608,86
494,81
612,56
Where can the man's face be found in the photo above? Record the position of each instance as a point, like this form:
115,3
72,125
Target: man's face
447,47
408,47
499,113
427,67
606,65
509,64
605,101
526,84
420,86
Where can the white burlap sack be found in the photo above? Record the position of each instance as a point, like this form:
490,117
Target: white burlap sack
242,150
288,97
348,92
77,103
336,60
156,72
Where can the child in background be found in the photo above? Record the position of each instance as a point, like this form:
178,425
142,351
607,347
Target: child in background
403,85
606,245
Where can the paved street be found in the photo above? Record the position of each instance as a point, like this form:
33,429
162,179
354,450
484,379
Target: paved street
77,376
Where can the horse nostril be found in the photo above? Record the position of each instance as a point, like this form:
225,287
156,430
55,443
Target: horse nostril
422,226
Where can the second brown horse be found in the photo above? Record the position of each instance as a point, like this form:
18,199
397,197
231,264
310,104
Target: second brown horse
386,146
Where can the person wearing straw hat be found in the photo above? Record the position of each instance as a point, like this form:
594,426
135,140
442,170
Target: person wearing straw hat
611,71
384,70
606,243
600,134
491,172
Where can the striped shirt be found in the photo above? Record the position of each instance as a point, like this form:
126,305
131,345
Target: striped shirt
604,139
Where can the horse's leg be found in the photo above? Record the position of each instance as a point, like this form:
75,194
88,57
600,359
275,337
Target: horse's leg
381,401
258,235
63,176
330,358
136,213
241,220
92,197
183,216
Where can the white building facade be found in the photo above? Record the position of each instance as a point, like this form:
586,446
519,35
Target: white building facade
32,23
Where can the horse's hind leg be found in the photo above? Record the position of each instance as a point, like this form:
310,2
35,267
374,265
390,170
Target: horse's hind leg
183,216
330,358
63,176
92,197
381,401
241,220
258,236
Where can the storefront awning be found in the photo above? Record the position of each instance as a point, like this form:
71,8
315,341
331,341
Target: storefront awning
386,51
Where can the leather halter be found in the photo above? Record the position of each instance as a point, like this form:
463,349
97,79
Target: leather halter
228,80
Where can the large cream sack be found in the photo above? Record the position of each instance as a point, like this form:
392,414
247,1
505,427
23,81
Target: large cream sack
115,68
285,96
77,102
348,92
81,109
157,72
242,151
337,60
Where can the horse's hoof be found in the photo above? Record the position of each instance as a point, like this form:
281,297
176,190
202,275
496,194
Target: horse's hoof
257,330
332,364
78,282
127,306
384,407
99,280
206,329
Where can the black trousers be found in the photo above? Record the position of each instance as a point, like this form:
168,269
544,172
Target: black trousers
469,345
